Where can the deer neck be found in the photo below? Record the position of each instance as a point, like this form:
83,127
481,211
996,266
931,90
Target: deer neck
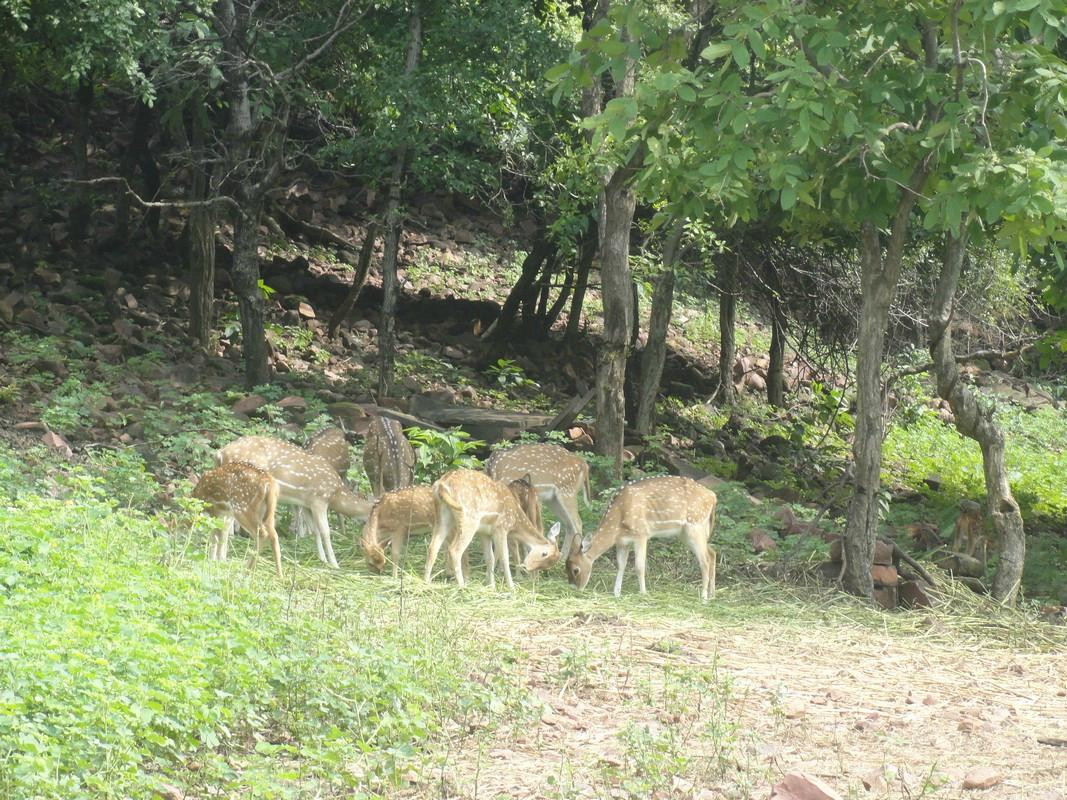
605,537
345,501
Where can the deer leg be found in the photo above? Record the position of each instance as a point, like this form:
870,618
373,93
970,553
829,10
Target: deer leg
697,538
322,534
460,542
566,508
224,541
622,555
300,523
640,554
441,530
489,556
503,540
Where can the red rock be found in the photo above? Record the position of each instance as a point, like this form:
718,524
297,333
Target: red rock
915,594
761,542
883,575
883,553
248,404
57,443
801,786
293,401
982,778
306,311
886,597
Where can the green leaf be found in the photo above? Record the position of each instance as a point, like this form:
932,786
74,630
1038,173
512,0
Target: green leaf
788,198
713,52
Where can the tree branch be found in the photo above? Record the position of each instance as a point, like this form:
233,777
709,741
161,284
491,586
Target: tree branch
221,200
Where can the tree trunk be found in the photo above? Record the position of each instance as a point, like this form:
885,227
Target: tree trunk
586,253
975,421
557,306
142,154
620,203
359,280
251,304
531,267
727,322
655,352
81,207
387,328
200,248
776,368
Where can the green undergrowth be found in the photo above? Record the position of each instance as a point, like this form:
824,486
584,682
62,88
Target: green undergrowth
127,662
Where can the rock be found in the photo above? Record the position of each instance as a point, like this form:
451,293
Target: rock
109,353
305,311
168,792
886,597
883,553
982,778
961,565
30,318
946,416
883,575
933,481
761,542
363,325
970,507
248,404
56,442
802,786
130,301
453,353
294,402
874,781
915,594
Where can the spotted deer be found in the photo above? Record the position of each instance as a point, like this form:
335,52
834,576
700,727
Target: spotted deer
304,480
469,504
530,503
648,509
557,474
244,494
332,445
387,456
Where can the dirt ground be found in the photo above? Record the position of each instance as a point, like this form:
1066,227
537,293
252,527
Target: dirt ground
687,711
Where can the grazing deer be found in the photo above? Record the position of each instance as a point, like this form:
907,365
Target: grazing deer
647,509
397,514
387,456
556,473
332,445
469,504
244,494
970,536
530,503
304,480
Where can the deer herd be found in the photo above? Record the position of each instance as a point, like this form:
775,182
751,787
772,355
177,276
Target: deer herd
501,506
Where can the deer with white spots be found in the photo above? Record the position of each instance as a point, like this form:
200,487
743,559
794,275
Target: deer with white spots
304,480
649,509
332,445
469,504
396,515
244,494
557,474
387,456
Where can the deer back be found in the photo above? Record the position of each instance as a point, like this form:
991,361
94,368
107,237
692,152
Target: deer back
545,464
387,456
331,444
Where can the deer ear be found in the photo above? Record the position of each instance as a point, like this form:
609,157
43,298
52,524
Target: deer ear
553,532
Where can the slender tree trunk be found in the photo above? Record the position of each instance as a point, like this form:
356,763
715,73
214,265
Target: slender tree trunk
620,203
655,352
81,207
200,247
561,301
387,328
975,421
586,253
727,323
531,266
251,305
359,280
142,153
776,368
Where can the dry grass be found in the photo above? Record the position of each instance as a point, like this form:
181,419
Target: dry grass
662,697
